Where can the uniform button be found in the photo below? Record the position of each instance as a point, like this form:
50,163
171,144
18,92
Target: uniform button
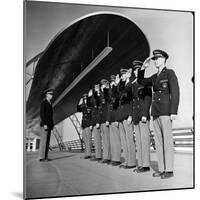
159,91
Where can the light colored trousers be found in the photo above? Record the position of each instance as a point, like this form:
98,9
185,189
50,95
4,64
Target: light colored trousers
127,142
142,136
164,143
44,143
115,142
87,138
106,142
97,142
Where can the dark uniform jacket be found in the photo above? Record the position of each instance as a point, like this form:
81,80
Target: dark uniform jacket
46,114
103,105
113,104
165,91
125,97
142,97
95,118
86,111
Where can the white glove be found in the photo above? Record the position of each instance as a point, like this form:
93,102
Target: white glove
112,83
129,120
81,101
97,125
45,127
117,79
117,124
146,63
107,123
90,93
144,119
173,117
103,86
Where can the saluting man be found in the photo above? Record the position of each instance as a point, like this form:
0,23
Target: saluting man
164,110
142,97
125,121
115,141
47,124
95,123
84,107
103,112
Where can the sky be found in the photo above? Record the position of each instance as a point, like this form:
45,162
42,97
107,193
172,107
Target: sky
168,30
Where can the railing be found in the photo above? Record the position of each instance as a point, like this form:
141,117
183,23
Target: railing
183,137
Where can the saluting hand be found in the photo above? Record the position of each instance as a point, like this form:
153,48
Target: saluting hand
112,83
97,125
144,119
45,127
107,123
81,101
117,124
173,117
103,86
129,120
117,79
90,93
146,63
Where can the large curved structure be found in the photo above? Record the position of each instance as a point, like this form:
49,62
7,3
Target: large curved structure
74,49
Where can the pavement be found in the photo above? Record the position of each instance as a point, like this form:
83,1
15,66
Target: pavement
69,175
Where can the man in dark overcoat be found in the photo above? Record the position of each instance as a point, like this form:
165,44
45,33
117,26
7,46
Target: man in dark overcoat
47,124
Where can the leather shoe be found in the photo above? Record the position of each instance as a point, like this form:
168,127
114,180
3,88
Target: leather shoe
105,161
115,163
167,175
157,174
87,157
129,167
143,169
95,159
135,170
122,166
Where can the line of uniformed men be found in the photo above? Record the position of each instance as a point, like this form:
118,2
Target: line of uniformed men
110,111
113,110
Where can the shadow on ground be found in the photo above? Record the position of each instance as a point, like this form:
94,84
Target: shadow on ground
63,157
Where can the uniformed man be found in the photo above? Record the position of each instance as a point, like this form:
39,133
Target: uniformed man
103,112
164,110
125,121
95,123
85,108
115,141
142,97
47,124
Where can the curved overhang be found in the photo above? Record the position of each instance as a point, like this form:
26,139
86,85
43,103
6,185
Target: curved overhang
73,49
